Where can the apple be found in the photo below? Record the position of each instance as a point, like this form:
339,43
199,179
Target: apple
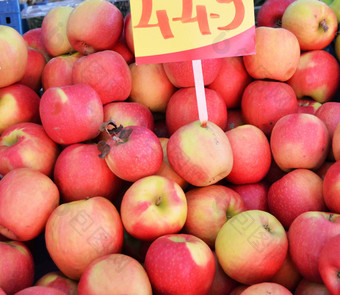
122,48
192,152
80,162
114,274
336,143
270,13
2,292
106,72
209,208
234,73
306,287
84,230
317,76
101,30
298,191
251,247
308,106
150,86
251,154
234,118
153,206
133,152
331,187
265,102
71,114
14,48
335,5
329,113
166,169
180,264
51,75
266,288
18,103
53,31
329,264
181,73
128,32
16,267
27,145
307,235
254,195
299,141
279,64
23,193
40,290
58,281
34,40
313,23
182,108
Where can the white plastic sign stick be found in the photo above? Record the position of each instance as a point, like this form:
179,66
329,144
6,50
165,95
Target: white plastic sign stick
200,92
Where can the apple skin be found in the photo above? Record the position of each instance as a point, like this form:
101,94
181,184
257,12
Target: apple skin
336,143
331,187
23,193
53,31
152,207
33,39
51,75
251,247
18,103
233,71
306,287
180,264
27,145
307,235
150,86
329,264
266,288
313,23
16,267
299,141
13,47
181,73
192,152
83,230
79,162
40,290
102,29
106,72
139,156
265,102
279,64
182,108
113,274
329,113
71,114
128,32
317,76
271,12
251,154
298,191
308,106
209,208
122,48
58,281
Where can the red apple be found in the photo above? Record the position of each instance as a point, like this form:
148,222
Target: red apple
16,267
71,114
79,173
266,288
14,56
234,73
27,145
128,32
299,141
331,187
180,264
84,230
18,103
317,76
114,274
251,154
306,287
101,30
58,281
209,208
106,72
329,113
307,235
265,102
40,290
313,23
192,152
33,39
270,13
122,48
23,193
279,64
308,106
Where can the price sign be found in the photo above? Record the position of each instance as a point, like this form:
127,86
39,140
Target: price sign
178,30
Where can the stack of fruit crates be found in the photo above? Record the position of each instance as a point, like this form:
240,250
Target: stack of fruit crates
10,14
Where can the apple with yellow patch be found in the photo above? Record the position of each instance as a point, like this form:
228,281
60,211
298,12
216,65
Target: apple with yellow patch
58,281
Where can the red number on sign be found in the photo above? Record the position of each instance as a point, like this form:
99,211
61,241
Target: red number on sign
239,14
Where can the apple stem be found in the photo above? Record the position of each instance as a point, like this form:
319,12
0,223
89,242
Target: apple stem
278,23
323,25
267,227
158,201
330,217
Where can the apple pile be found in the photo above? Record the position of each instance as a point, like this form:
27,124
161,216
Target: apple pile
106,167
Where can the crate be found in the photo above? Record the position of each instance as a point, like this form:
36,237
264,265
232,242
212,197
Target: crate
10,14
